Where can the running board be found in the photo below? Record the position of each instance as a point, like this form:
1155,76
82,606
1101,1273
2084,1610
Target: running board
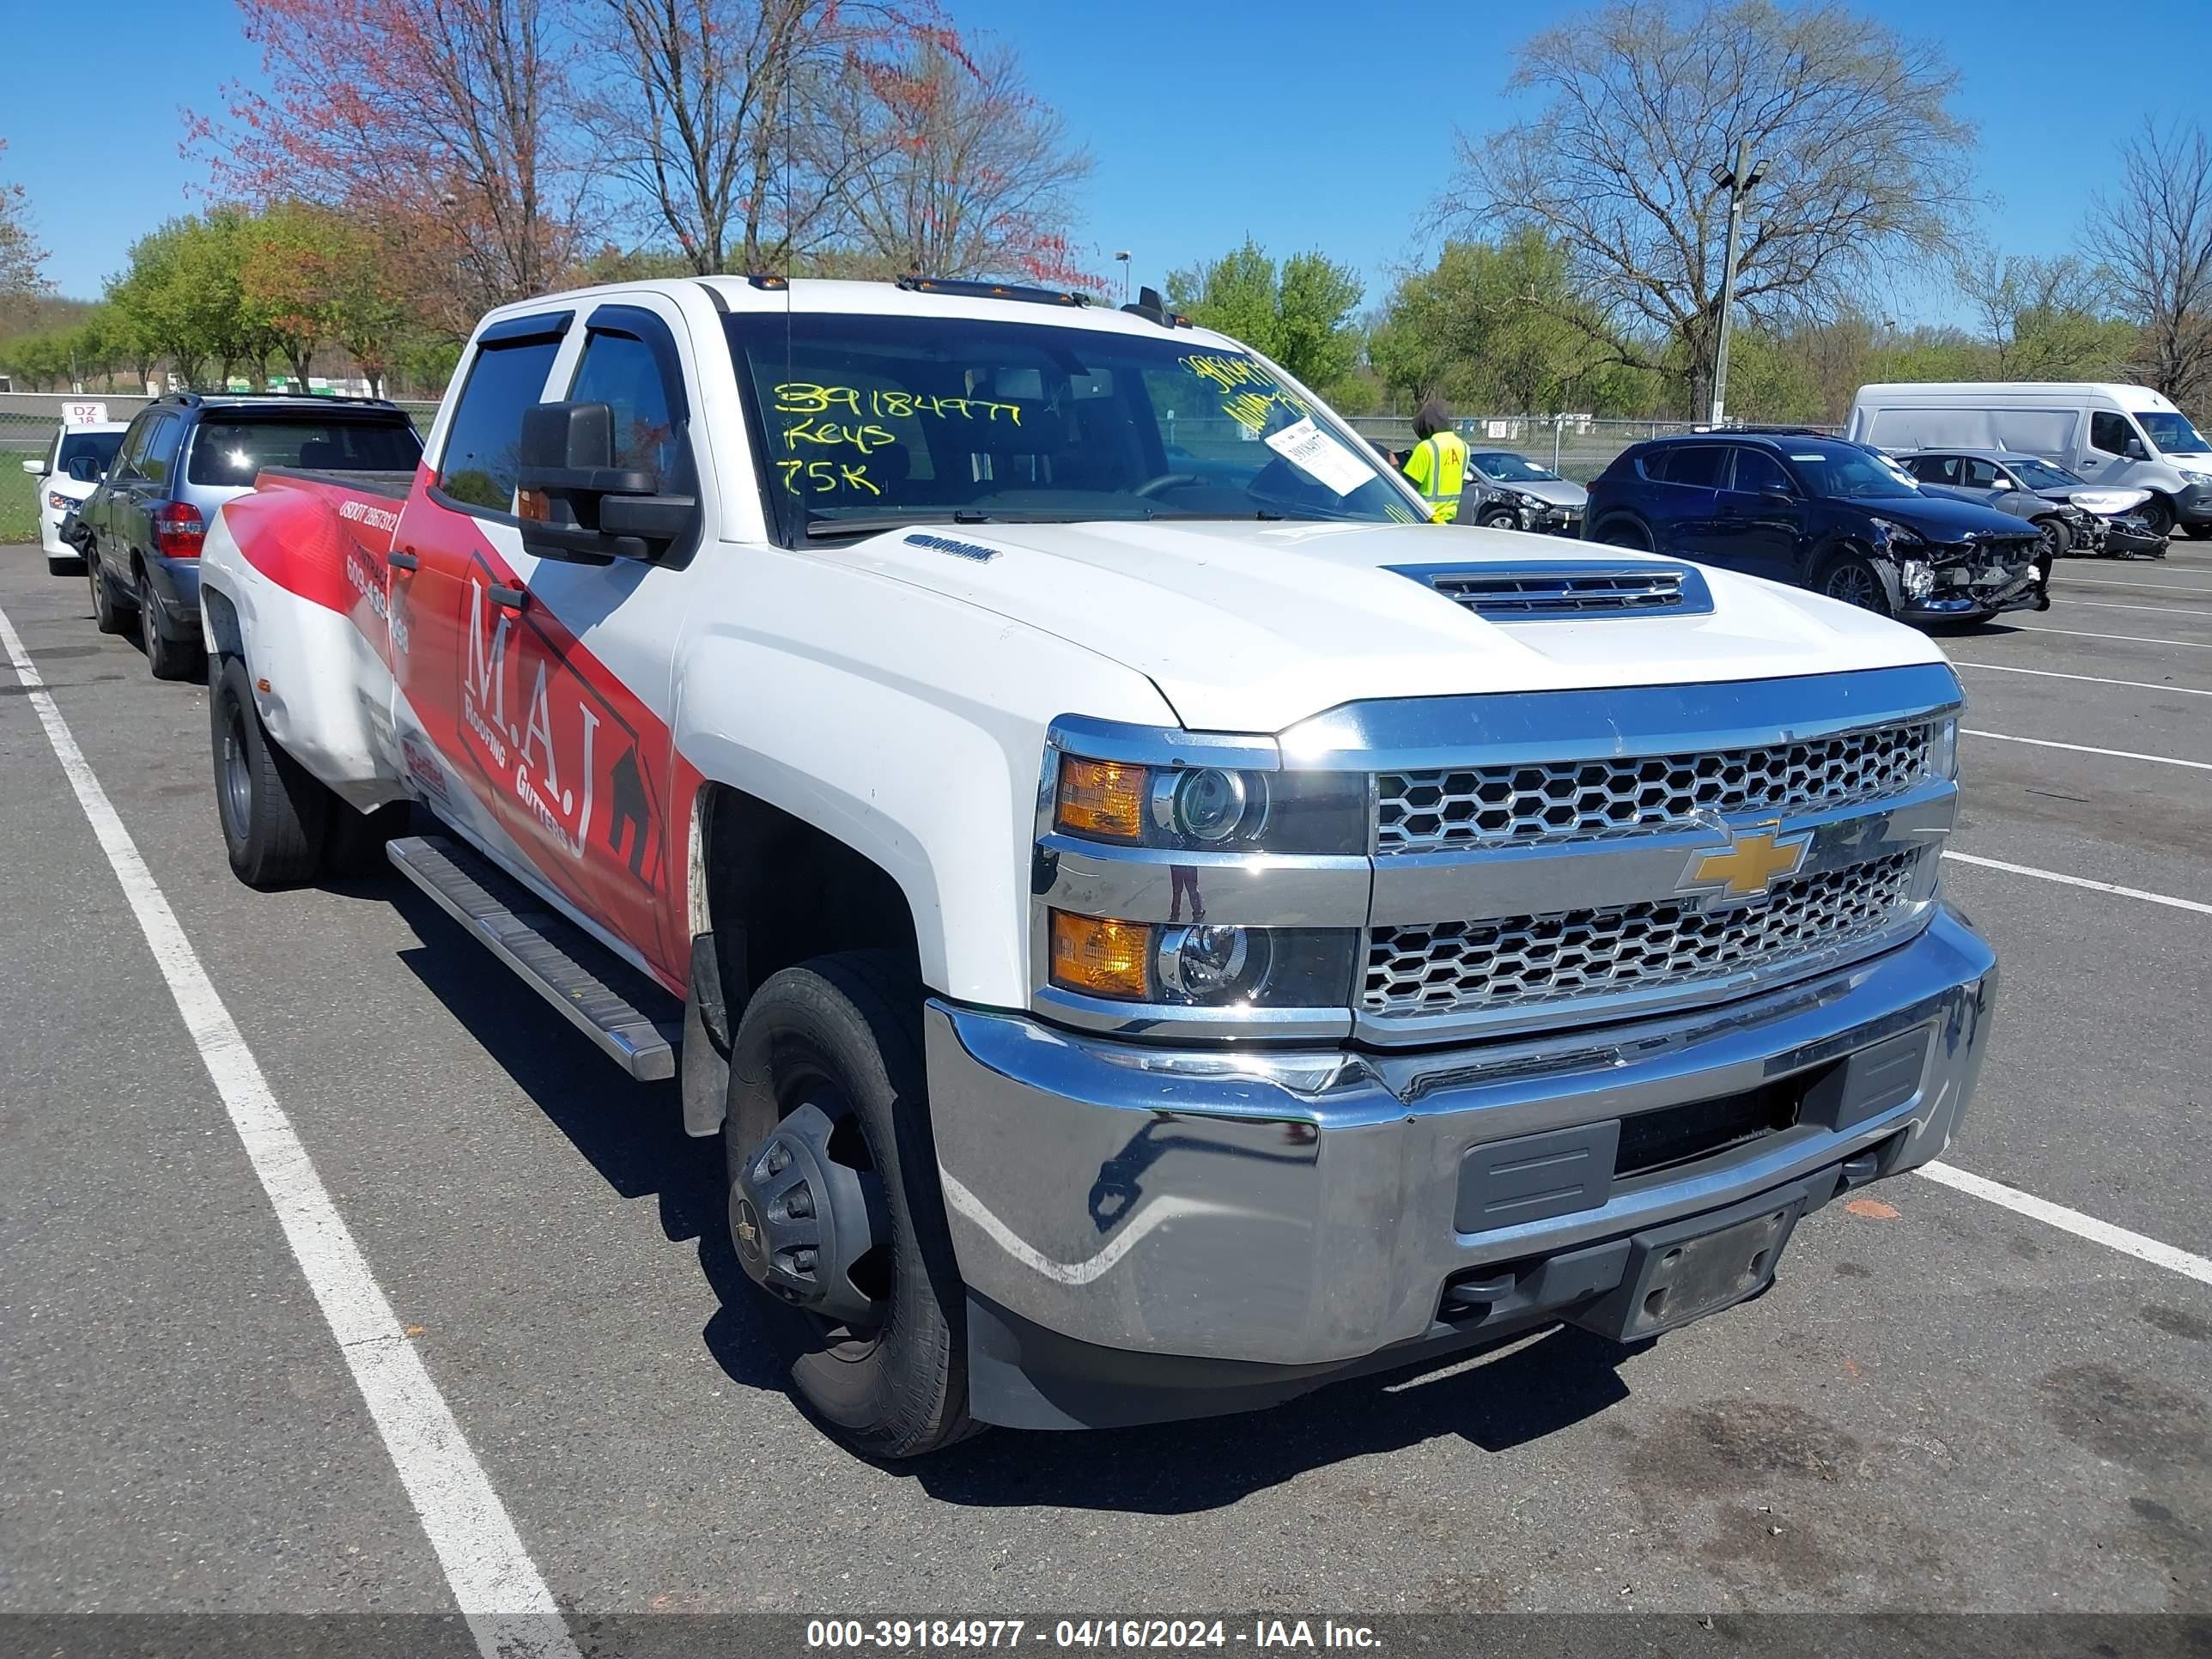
552,956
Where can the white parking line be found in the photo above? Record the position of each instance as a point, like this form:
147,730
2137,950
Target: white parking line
2092,679
2084,748
2116,604
2156,588
509,1610
2073,1221
2129,639
2171,902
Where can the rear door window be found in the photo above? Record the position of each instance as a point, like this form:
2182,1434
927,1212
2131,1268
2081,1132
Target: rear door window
162,444
1703,466
233,452
481,458
1977,474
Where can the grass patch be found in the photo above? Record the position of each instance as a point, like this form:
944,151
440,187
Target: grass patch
19,501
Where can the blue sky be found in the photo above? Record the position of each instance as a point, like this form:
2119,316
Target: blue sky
1307,122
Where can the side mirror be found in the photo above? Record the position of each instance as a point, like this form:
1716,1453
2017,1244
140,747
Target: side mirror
575,503
2134,451
1777,498
85,468
35,467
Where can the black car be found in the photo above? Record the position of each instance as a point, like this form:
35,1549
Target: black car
183,458
1822,514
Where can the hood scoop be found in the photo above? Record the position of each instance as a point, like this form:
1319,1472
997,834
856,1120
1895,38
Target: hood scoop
1537,590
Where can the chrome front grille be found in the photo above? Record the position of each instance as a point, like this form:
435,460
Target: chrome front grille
1515,962
1467,807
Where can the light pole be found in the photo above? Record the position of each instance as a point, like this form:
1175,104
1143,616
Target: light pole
1123,256
1737,181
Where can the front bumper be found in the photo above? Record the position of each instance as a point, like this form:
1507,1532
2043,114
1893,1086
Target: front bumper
1147,1233
1984,593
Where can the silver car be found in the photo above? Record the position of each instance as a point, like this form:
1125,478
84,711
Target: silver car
2074,515
1511,492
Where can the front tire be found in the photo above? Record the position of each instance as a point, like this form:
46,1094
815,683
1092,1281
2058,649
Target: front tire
1499,518
2157,514
839,1038
1852,578
274,815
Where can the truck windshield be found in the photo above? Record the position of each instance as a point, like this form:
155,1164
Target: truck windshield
872,419
2171,433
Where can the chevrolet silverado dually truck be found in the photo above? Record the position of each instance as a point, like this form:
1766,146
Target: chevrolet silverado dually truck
1155,925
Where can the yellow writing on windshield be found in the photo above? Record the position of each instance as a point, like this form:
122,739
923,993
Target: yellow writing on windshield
1250,394
827,478
813,398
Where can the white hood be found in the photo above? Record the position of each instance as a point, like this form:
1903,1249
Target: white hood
1252,628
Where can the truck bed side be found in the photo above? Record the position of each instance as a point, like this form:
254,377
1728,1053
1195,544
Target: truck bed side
295,579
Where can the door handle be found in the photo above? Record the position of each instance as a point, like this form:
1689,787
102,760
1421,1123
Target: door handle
400,559
513,598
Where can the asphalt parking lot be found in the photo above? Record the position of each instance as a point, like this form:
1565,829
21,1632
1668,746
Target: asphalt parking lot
1945,1403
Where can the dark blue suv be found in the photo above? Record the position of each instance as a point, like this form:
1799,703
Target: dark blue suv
1821,514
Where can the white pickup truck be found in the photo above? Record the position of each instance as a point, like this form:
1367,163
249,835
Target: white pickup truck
1156,926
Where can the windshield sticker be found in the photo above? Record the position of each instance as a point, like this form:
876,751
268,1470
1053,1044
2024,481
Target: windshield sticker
979,553
1319,456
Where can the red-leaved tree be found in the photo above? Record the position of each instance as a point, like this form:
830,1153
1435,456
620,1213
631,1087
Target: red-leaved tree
440,125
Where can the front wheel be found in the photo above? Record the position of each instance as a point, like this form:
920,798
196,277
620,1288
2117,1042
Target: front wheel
834,1210
1499,518
274,814
2157,515
1852,578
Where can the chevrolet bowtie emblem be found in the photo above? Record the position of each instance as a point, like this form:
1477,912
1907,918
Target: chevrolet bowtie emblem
1750,864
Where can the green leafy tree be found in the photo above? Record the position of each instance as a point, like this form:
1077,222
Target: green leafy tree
1300,314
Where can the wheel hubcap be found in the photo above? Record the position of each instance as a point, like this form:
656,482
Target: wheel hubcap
237,780
809,1224
1852,586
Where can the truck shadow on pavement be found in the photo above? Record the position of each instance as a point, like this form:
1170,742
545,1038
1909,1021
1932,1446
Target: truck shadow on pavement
631,1133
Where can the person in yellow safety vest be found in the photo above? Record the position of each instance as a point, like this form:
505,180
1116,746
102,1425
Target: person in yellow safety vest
1437,466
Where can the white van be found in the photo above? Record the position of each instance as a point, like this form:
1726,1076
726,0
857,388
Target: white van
2123,436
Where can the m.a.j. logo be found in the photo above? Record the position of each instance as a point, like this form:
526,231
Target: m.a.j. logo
551,746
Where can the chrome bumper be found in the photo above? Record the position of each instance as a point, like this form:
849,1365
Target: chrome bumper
1302,1208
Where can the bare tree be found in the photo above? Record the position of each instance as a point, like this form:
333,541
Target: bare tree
1864,165
2039,317
967,174
2152,241
740,124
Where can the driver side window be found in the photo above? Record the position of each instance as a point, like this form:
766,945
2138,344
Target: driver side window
2110,432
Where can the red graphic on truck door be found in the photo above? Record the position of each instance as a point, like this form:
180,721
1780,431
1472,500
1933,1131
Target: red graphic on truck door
574,767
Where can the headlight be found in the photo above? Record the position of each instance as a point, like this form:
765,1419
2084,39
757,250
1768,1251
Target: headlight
1202,966
1524,501
1943,750
1206,808
59,503
1918,580
1901,535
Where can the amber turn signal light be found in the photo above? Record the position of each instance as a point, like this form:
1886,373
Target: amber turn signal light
1100,959
1102,798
